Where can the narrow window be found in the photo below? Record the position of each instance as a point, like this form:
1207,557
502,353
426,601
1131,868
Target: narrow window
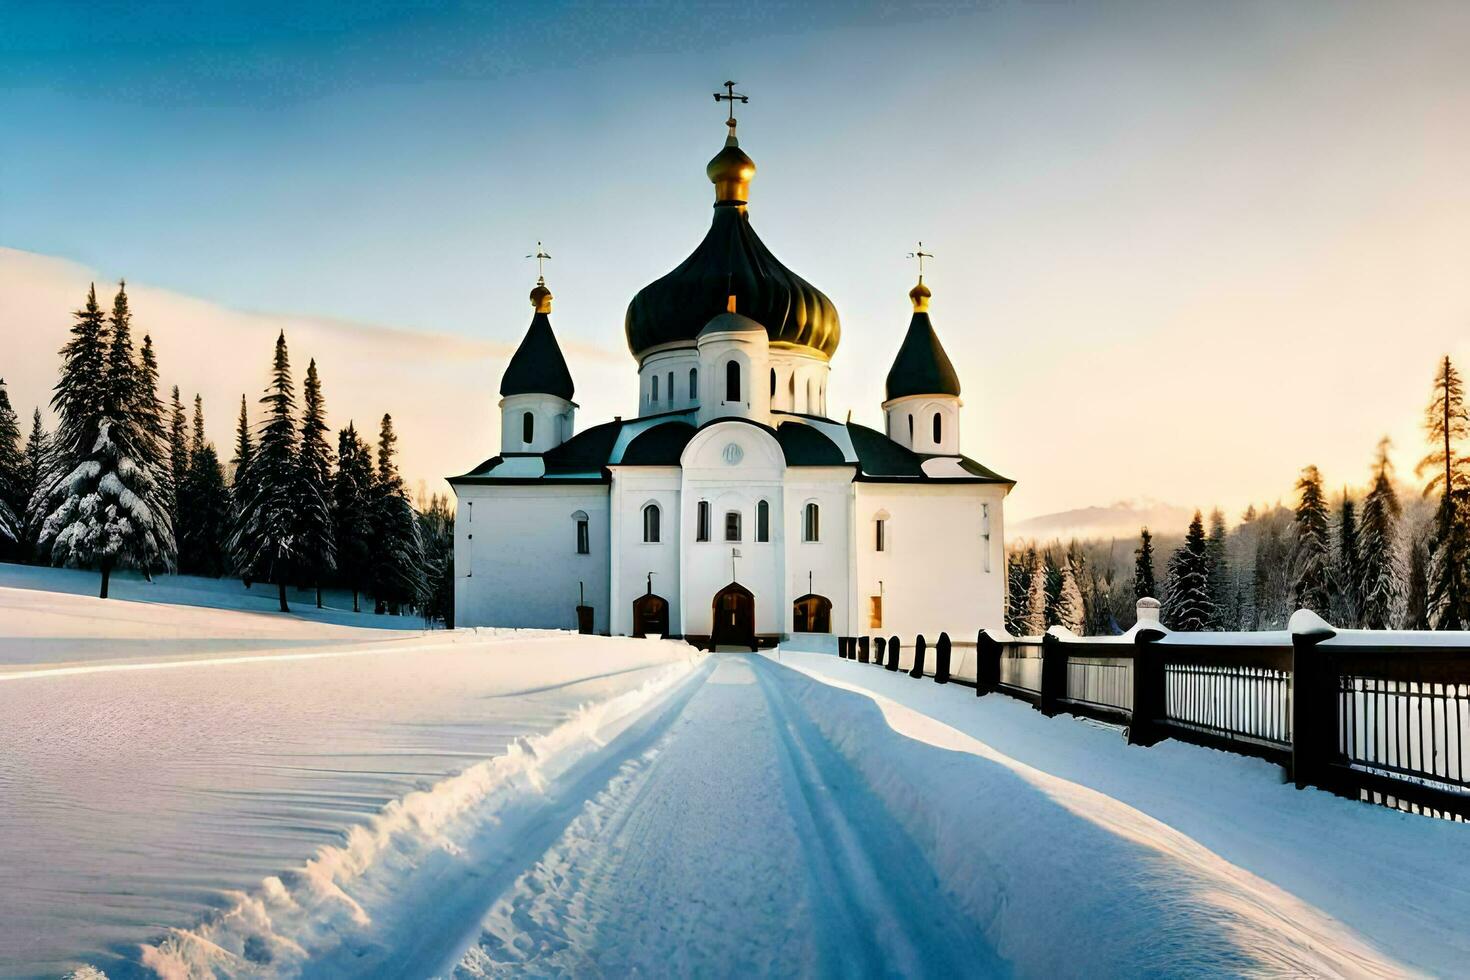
911,430
671,389
985,532
528,428
732,381
763,521
791,390
653,398
880,526
650,524
875,612
701,521
732,525
938,429
811,524
773,382
584,542
694,384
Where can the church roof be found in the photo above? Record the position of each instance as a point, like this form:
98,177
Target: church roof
731,260
922,367
537,366
661,445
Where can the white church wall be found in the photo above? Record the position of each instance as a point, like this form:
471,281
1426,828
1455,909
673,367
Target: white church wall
516,560
732,467
552,424
656,373
910,423
797,373
747,348
821,566
938,572
633,488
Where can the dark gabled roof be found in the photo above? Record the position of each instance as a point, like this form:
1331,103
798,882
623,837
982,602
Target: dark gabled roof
984,472
537,366
922,367
879,455
587,451
805,445
661,445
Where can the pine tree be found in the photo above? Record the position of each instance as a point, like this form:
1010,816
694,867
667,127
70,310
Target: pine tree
1069,611
12,476
1034,623
1416,600
436,531
244,445
1447,425
1347,577
154,444
1016,584
105,511
1187,604
1222,591
207,514
1381,572
1144,585
34,468
352,511
1311,570
178,464
397,552
1052,579
316,539
263,540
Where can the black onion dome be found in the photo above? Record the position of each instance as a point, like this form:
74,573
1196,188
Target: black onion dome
537,366
922,367
732,260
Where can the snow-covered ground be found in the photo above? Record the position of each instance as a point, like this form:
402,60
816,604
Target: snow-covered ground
341,802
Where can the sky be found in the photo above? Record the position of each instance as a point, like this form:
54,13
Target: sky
1182,249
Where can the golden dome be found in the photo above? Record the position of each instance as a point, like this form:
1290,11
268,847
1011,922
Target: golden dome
730,171
541,297
920,295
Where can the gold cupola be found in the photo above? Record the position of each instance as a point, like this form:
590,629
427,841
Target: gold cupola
920,296
731,171
541,297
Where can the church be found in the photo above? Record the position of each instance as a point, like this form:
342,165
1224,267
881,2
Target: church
732,511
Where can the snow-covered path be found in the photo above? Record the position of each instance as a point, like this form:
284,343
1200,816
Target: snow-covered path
739,843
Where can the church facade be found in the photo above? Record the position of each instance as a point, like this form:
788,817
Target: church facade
731,510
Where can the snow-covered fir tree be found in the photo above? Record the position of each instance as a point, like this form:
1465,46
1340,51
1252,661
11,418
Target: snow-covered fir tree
35,465
1416,588
1311,560
244,444
264,539
1222,590
1447,425
153,429
1144,584
178,466
436,532
316,539
1069,611
204,539
1187,604
352,512
105,511
1271,571
1034,623
398,575
12,466
1015,591
1380,568
1347,576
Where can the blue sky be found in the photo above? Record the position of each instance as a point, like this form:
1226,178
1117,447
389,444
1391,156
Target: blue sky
1211,194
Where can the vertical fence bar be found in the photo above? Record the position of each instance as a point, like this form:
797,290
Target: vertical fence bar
919,647
894,649
879,646
862,649
1053,674
941,659
987,663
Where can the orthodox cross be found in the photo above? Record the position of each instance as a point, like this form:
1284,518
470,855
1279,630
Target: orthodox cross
731,97
540,255
921,255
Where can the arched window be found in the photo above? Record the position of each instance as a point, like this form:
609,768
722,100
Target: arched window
650,523
763,521
811,524
732,525
732,381
938,429
671,389
911,430
694,384
653,397
701,521
773,382
584,542
528,428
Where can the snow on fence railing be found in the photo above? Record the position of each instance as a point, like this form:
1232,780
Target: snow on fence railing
1376,715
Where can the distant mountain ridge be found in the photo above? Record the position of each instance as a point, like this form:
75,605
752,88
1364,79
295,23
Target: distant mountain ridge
1118,520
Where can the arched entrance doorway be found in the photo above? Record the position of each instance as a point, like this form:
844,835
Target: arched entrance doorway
733,610
650,615
811,614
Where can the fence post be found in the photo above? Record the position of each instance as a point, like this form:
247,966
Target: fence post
847,648
1148,675
879,645
941,659
987,663
1053,673
894,649
862,649
842,647
919,647
1314,722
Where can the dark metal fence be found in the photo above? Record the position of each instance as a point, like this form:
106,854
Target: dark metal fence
1377,716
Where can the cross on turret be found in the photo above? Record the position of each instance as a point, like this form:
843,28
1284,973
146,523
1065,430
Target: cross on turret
541,256
731,96
921,255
